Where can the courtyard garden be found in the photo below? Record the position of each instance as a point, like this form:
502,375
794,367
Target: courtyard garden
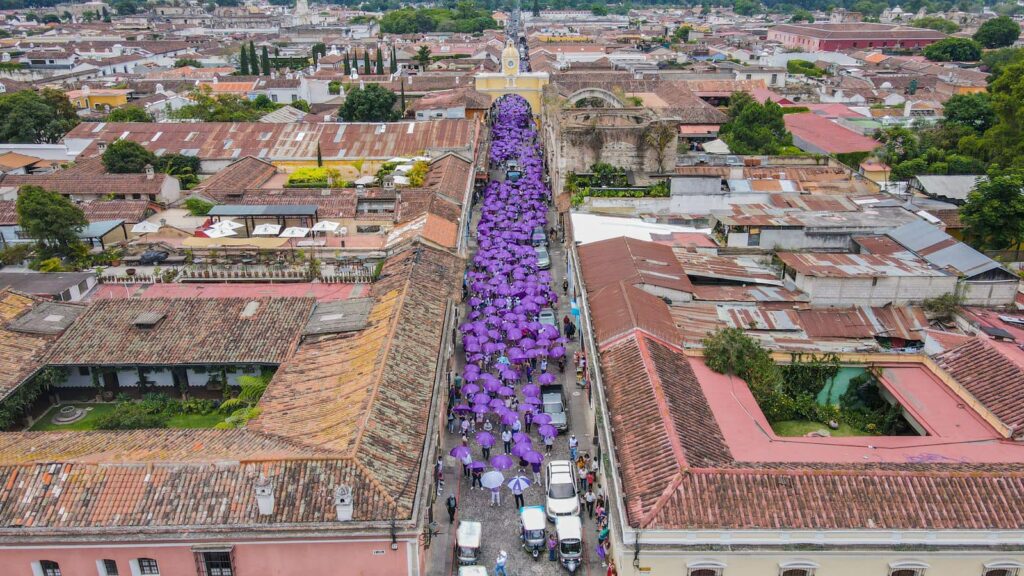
811,394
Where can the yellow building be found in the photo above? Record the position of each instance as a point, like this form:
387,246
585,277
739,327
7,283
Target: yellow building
510,80
98,98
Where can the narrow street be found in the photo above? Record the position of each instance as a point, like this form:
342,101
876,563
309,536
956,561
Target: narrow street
501,524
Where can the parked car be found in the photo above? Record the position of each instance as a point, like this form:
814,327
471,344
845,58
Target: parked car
543,258
152,257
547,316
539,237
562,497
553,404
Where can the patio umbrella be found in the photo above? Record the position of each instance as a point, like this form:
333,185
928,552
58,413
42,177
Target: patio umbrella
519,483
325,226
501,462
294,232
266,230
485,439
145,227
547,431
219,232
494,479
459,452
533,457
228,225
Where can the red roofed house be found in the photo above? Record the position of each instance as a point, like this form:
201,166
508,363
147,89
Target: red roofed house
819,135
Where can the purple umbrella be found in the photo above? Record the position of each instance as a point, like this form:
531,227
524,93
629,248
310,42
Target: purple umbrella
481,398
521,448
502,462
547,431
546,378
557,352
484,439
492,386
531,390
462,408
521,437
509,418
541,419
478,465
460,452
469,389
480,409
533,457
532,400
506,391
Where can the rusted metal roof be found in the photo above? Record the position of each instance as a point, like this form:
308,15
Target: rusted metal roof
857,265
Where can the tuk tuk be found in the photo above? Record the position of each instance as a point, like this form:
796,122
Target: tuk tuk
472,571
570,542
467,542
533,525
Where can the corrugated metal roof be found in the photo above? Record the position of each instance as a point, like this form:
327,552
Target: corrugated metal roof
956,187
263,210
920,235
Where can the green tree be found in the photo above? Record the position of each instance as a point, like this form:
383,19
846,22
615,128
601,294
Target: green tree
265,62
998,32
899,144
319,49
997,60
423,56
29,117
993,216
51,219
801,15
243,62
598,10
254,59
300,104
681,34
50,19
936,23
198,206
129,114
373,103
127,157
393,62
366,63
380,62
953,50
971,110
745,7
182,62
348,67
1004,142
755,128
536,8
88,16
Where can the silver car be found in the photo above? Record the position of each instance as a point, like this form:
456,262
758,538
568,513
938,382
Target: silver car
543,258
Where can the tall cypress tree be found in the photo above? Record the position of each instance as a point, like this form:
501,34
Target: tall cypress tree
366,63
254,60
403,96
265,61
394,60
348,67
380,62
319,156
243,62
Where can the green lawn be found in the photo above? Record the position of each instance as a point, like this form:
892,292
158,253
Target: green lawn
195,420
98,410
88,423
801,427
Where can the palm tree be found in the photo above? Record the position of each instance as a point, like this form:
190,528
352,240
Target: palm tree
659,136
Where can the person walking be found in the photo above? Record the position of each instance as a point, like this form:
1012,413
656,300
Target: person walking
549,442
506,437
552,546
565,285
582,474
574,445
477,474
602,553
589,499
528,417
517,492
463,425
451,421
495,496
612,571
466,461
499,564
486,451
451,504
535,466
517,425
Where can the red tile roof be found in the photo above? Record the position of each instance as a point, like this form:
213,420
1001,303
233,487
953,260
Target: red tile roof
633,261
823,134
992,378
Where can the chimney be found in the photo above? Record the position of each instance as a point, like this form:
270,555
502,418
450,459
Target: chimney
163,221
343,503
149,172
101,145
265,495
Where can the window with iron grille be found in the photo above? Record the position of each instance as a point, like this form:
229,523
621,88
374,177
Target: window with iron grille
49,568
110,568
148,567
214,563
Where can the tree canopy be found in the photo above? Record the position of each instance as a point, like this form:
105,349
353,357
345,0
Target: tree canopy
755,128
936,23
953,50
224,108
465,17
993,216
373,103
51,219
971,110
998,32
129,114
127,157
28,117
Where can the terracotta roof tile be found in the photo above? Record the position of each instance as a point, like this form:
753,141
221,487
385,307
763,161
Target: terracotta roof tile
22,353
992,378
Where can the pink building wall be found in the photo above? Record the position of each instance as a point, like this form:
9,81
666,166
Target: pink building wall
348,558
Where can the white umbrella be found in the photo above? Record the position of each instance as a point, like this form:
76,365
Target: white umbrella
266,230
219,233
325,226
145,227
295,232
519,483
492,479
228,225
